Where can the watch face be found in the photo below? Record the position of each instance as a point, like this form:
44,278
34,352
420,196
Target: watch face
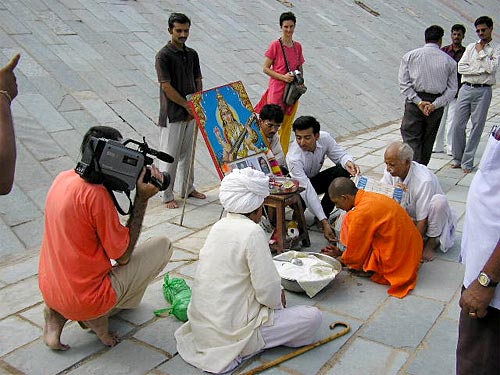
483,279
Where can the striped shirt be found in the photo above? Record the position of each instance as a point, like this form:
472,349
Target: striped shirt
430,70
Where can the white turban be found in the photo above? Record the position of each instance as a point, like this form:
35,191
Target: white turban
243,190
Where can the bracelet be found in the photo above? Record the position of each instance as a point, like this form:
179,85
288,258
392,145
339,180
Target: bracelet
3,92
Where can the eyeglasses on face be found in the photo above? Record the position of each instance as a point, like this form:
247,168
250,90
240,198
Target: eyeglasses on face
272,125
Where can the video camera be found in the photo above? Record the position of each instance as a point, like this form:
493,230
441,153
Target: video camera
117,166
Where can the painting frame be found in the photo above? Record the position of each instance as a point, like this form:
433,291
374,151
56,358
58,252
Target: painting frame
227,121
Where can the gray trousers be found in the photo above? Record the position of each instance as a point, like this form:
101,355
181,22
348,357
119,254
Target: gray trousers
177,140
472,102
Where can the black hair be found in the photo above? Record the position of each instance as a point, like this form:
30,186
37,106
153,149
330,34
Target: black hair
433,34
287,16
458,27
484,20
179,18
100,132
306,122
272,112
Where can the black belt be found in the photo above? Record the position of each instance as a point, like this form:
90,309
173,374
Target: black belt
476,84
427,96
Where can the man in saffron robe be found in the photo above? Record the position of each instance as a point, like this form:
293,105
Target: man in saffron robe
379,235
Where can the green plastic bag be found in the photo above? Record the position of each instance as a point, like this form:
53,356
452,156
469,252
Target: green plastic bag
178,294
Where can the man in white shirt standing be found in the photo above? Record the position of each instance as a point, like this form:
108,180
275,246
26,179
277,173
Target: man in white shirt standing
428,80
479,326
305,159
425,201
478,67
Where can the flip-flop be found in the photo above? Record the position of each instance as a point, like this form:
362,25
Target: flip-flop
197,195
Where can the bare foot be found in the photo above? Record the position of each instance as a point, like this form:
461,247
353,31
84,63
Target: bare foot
455,165
172,204
54,324
431,244
110,339
467,170
429,254
100,327
197,195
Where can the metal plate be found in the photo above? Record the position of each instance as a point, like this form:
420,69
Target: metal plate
293,285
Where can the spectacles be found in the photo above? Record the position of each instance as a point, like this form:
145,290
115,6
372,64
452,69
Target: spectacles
272,126
481,30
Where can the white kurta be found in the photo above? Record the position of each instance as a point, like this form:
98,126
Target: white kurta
275,144
235,291
425,199
482,217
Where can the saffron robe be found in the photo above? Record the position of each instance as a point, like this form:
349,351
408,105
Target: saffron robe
381,237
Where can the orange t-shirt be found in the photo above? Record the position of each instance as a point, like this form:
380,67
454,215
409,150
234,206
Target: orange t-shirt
82,233
381,237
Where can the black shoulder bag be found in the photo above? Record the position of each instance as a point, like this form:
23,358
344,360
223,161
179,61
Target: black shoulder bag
295,89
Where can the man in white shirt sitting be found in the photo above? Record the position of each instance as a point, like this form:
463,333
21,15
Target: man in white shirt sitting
305,159
425,201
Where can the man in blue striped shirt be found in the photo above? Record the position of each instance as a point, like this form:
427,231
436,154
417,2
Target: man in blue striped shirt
428,80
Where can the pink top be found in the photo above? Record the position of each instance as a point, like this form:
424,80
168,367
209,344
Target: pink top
295,58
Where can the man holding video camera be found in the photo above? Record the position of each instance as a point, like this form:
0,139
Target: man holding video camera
82,235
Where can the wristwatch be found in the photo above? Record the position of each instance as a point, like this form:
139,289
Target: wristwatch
486,281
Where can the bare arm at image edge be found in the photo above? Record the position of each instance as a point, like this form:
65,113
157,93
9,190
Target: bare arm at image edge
8,91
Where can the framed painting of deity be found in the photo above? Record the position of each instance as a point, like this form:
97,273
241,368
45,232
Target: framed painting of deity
229,126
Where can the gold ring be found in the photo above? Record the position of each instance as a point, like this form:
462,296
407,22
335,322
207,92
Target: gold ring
472,314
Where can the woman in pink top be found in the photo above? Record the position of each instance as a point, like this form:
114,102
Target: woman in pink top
275,67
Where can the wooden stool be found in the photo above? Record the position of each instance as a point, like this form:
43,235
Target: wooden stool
279,202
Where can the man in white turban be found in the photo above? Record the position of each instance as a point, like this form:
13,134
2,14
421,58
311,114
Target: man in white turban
237,307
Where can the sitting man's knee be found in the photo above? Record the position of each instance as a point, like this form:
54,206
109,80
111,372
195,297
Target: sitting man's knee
166,245
439,202
314,317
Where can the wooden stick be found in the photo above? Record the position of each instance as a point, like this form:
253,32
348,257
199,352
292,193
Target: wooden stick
302,350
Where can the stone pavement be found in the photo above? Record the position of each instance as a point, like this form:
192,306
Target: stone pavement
415,335
90,62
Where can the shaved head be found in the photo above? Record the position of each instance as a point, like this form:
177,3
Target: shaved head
342,186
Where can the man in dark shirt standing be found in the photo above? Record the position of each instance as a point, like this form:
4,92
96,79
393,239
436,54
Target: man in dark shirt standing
455,50
179,74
